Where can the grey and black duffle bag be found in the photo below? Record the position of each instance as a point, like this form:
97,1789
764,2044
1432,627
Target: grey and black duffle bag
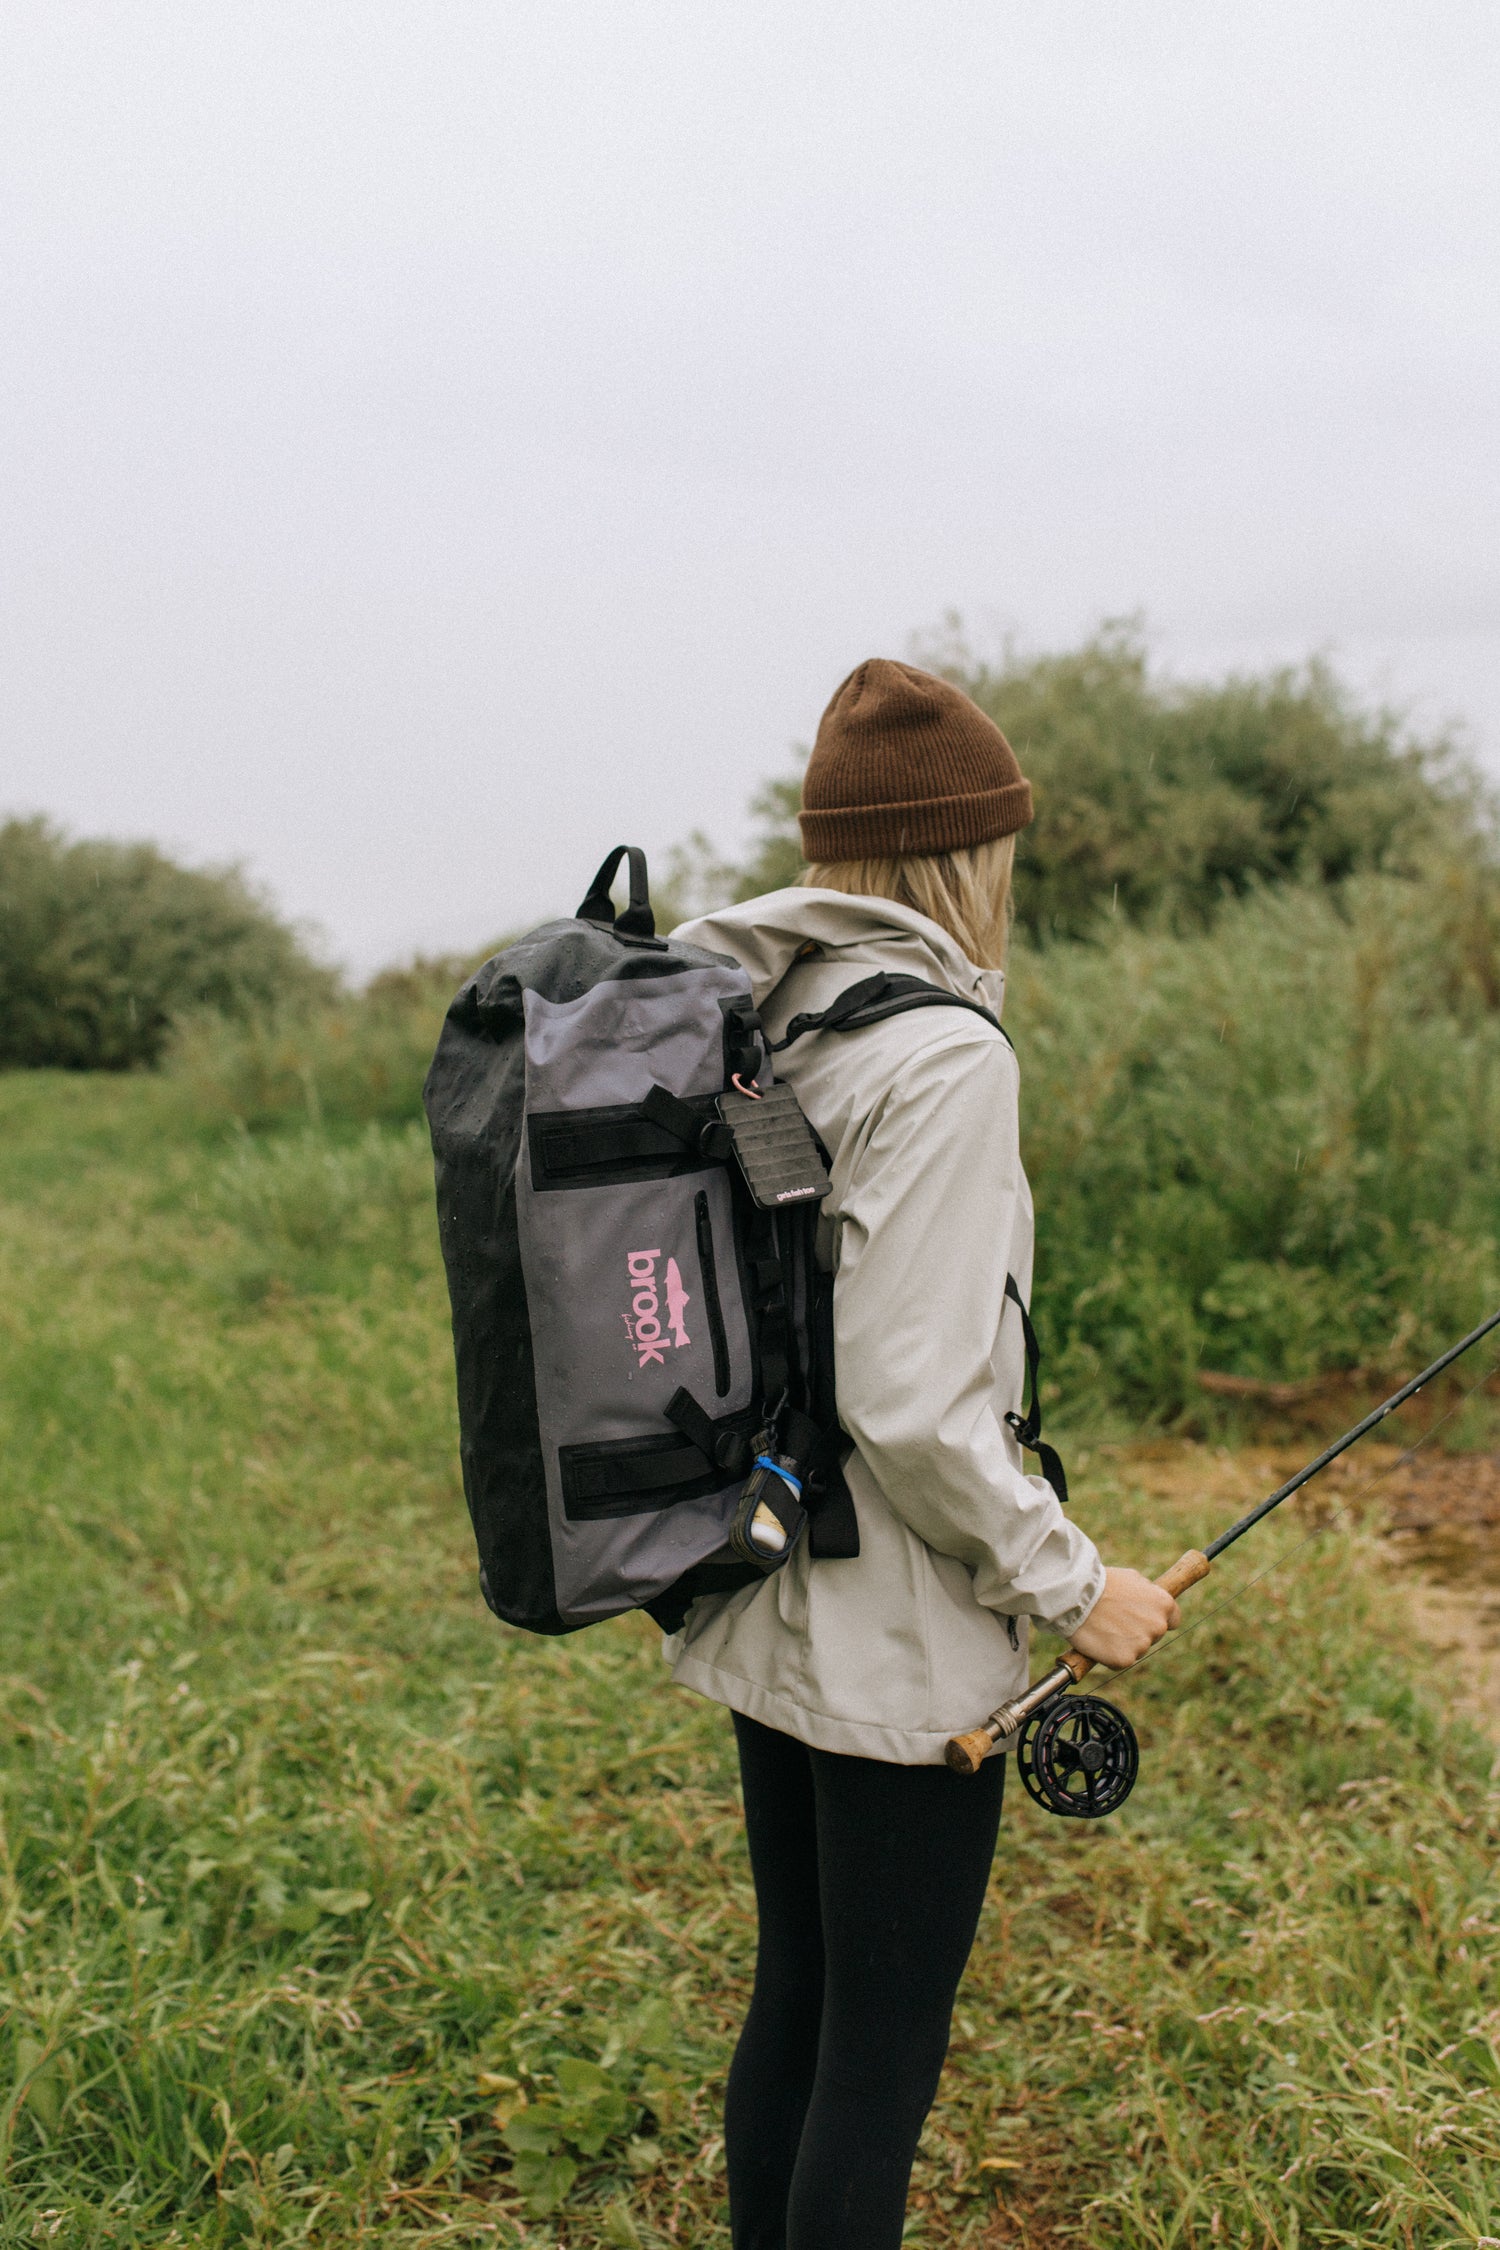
628,1206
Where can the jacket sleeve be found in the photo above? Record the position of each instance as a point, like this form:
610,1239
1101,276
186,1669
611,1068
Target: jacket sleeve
928,1207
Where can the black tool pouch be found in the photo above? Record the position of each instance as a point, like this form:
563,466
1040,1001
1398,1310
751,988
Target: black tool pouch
776,1487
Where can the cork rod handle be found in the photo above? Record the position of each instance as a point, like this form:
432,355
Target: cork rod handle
1185,1572
966,1753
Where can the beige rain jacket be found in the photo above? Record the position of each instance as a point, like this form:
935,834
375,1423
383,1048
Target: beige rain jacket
888,1655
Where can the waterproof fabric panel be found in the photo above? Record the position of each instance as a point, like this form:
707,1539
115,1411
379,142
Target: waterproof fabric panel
582,1301
633,1284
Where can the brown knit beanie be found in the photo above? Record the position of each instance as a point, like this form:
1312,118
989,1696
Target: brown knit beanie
906,765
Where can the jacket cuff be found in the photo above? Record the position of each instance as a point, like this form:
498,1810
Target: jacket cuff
1067,1621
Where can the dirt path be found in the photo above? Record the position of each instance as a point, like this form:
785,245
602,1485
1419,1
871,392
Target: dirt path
1444,1539
1440,1516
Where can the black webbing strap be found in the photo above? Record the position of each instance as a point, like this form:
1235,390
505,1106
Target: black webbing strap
792,1448
874,998
696,1129
636,920
637,1476
616,1476
744,1038
833,1526
673,1115
724,1445
565,1149
1028,1426
768,1303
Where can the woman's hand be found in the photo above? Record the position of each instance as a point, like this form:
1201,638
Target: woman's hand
1130,1617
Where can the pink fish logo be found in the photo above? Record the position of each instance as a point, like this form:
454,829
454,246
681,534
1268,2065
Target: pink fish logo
678,1301
643,1322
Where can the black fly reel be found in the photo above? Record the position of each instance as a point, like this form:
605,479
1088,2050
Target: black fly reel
1078,1757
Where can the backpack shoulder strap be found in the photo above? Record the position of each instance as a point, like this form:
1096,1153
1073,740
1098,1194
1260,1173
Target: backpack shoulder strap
874,998
871,1001
1028,1425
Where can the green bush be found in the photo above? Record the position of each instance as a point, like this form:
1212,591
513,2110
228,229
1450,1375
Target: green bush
1256,990
103,945
1159,799
1270,1149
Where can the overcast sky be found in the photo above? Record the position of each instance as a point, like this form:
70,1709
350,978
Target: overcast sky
441,441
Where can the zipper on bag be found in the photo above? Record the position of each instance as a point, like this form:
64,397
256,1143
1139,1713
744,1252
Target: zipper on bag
708,1267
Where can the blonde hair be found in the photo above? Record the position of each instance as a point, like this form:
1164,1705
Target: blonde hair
967,893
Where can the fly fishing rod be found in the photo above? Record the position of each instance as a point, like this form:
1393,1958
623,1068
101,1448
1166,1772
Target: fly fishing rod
1077,1755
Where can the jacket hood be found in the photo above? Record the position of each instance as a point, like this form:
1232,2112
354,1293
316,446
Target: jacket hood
767,935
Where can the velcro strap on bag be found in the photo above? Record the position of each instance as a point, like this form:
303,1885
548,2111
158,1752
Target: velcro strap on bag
726,1446
702,1133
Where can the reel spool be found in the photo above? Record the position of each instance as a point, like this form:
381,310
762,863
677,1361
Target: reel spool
1078,1757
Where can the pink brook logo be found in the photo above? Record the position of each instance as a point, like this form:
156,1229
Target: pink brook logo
643,1322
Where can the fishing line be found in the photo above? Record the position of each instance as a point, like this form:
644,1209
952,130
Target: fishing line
1366,1485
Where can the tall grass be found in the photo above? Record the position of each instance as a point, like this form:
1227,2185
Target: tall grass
359,1061
1272,1149
330,1913
312,1213
1269,1150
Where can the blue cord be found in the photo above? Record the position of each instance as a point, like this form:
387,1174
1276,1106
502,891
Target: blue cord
764,1461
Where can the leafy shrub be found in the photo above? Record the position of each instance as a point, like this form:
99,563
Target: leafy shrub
1256,989
561,2113
103,945
1271,1149
550,2137
1159,799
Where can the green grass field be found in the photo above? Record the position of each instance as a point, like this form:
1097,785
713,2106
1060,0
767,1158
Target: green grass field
334,1914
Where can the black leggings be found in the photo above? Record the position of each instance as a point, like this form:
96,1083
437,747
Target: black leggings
869,1879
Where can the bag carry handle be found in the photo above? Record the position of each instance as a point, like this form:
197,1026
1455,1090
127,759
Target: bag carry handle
637,919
